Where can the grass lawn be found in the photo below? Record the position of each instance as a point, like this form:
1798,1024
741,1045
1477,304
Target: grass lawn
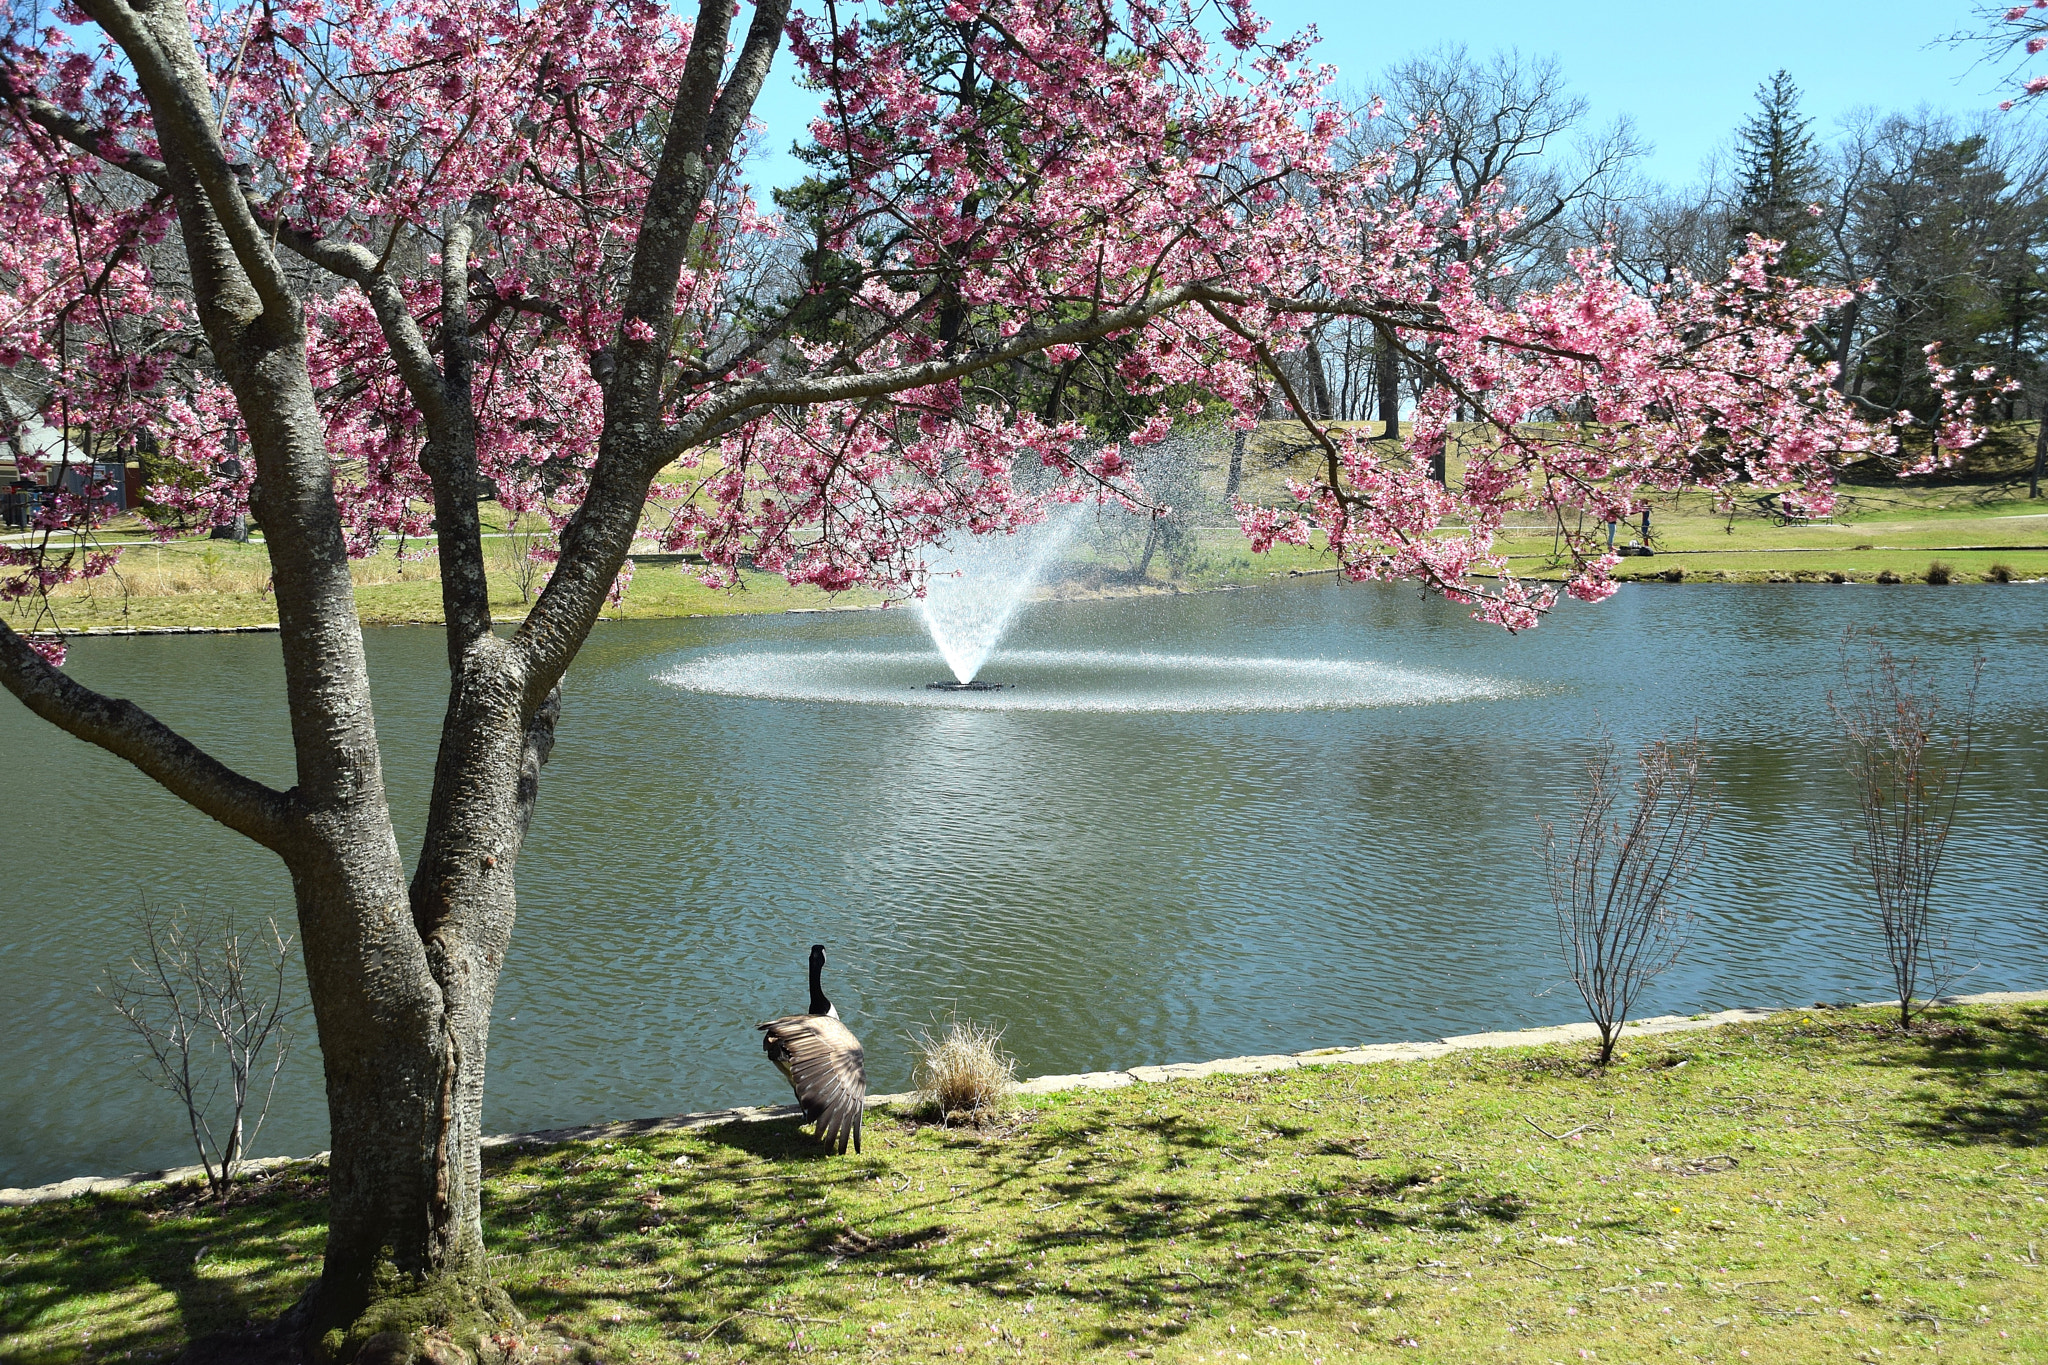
1881,524
1815,1187
217,584
1882,527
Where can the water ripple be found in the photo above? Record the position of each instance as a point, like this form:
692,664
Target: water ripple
1308,862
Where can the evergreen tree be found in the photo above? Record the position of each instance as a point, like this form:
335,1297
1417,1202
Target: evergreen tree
1962,250
1780,177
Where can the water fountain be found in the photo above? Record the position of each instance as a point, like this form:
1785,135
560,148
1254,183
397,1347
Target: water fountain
975,589
975,586
1112,680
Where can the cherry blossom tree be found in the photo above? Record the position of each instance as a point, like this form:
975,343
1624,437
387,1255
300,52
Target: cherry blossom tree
2016,32
353,264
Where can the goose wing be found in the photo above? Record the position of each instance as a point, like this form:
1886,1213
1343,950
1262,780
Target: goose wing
825,1067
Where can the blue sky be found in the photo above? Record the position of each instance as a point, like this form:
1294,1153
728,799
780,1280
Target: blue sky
1686,73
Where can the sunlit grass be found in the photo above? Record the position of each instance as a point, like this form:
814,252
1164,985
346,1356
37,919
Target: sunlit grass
1880,526
1815,1187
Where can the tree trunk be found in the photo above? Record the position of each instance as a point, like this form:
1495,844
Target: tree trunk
405,1027
1845,341
2040,454
1236,463
1387,380
1151,544
402,974
404,1236
1318,376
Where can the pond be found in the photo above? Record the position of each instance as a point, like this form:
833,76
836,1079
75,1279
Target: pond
1198,826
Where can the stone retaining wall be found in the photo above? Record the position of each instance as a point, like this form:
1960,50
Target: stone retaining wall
1367,1055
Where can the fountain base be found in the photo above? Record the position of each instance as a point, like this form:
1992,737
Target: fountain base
975,685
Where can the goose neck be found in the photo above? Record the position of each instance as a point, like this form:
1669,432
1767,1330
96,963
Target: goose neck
819,1004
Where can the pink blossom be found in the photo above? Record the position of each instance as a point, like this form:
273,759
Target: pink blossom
1136,161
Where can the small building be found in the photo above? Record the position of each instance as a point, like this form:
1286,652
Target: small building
56,463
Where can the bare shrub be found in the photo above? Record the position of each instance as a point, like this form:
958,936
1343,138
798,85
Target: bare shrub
209,1009
1612,880
2000,573
1939,573
530,535
1907,752
963,1070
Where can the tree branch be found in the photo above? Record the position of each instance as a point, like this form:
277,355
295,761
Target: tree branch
350,260
158,43
668,219
881,383
80,134
450,457
743,86
705,122
127,731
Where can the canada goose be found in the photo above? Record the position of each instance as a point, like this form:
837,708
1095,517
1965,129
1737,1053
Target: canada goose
821,1060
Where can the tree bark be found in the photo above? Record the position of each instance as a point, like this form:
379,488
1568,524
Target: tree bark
1151,544
406,1066
387,1035
2040,455
1387,381
1845,341
402,971
1318,376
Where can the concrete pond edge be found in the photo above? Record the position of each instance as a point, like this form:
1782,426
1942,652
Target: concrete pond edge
1365,1055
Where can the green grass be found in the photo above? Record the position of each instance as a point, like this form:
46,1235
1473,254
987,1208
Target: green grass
217,584
1900,530
1815,1187
1882,526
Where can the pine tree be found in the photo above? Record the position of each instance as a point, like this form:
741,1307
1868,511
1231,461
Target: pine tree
1780,177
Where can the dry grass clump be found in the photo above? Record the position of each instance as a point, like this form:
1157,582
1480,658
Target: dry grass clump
2000,573
1938,572
963,1071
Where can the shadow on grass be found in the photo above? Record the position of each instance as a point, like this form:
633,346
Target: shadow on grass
727,1255
82,1277
762,1186
1995,1069
714,1236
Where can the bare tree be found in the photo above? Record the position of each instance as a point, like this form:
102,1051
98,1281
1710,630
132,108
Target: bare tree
527,531
1462,125
1908,753
210,1011
1613,880
1465,127
1671,233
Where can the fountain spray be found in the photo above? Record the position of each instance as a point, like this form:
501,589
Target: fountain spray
975,586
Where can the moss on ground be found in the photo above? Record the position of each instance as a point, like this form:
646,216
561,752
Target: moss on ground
1814,1187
